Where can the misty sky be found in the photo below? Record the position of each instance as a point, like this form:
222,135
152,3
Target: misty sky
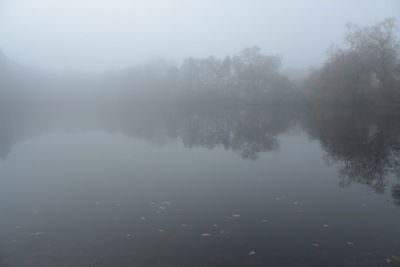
111,34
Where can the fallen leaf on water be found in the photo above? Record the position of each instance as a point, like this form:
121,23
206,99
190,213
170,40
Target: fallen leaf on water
388,260
37,233
234,216
252,253
315,244
325,226
167,203
350,243
264,220
206,235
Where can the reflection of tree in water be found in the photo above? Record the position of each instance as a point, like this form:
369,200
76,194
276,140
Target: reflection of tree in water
247,131
396,194
366,146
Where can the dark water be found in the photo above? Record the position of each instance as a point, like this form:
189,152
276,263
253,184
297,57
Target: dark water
199,195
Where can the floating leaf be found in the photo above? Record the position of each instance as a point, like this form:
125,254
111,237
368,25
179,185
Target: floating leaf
234,216
252,253
206,235
37,233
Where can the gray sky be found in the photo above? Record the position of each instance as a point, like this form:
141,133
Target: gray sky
111,34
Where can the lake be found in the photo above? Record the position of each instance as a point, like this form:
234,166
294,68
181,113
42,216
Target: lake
109,198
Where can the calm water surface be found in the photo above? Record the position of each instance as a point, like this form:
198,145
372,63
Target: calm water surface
106,199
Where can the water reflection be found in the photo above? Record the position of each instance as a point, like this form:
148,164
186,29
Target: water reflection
396,194
122,224
247,131
365,144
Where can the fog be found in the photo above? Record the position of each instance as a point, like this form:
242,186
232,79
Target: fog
100,35
171,133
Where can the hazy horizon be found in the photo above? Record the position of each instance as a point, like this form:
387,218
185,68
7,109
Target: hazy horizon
111,35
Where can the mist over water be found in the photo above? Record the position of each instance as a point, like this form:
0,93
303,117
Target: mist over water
243,158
